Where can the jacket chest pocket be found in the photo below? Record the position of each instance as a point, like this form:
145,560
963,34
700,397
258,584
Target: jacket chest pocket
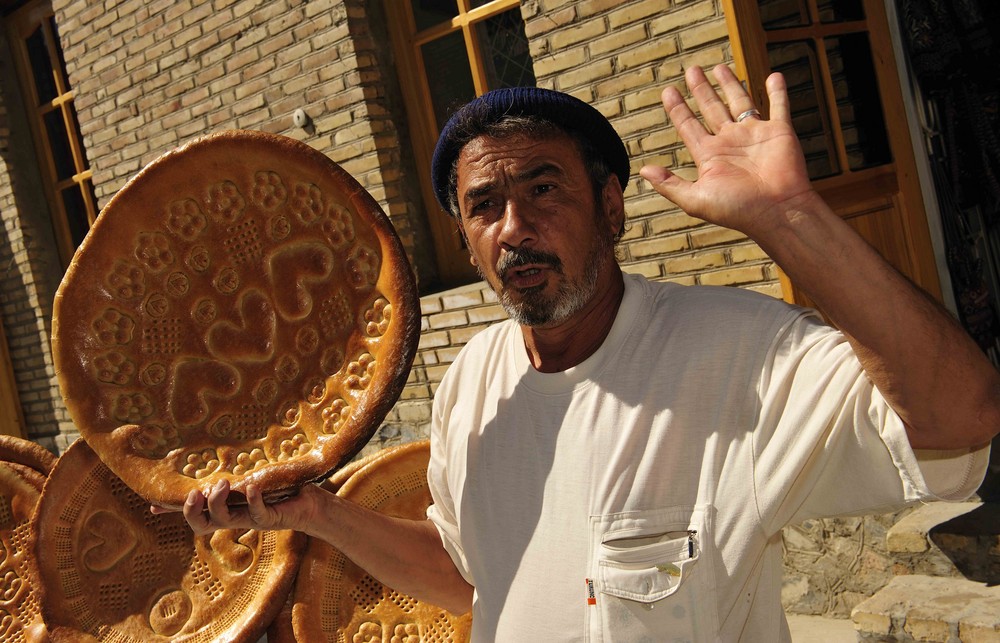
652,581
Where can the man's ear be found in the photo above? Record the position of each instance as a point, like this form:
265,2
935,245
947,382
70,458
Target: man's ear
613,202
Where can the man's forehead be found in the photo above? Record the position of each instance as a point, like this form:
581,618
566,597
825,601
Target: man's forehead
518,154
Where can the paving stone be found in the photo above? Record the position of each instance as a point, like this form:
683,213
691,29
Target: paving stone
928,608
910,533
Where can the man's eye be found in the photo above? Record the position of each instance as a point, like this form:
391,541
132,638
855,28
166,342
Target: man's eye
482,206
543,188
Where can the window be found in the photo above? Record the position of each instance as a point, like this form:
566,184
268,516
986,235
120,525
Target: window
848,111
48,102
448,52
822,47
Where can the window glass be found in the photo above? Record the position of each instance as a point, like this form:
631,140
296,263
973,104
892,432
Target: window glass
810,117
858,104
76,212
449,75
840,10
429,13
505,50
60,59
775,14
41,66
62,155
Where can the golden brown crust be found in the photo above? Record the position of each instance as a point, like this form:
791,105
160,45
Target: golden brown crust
20,489
346,472
26,452
280,629
335,600
108,569
241,309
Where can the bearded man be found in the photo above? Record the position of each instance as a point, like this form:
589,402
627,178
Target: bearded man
617,461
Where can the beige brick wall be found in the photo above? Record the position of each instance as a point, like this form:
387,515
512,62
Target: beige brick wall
449,320
149,76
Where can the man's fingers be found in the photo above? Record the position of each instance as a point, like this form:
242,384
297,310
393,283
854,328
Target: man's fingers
690,129
667,184
736,95
713,110
257,509
777,97
660,178
218,509
194,512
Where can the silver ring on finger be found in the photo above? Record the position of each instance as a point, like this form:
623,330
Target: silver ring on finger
747,114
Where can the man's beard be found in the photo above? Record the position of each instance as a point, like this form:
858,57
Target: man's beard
534,307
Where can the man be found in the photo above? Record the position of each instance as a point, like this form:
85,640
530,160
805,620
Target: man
617,462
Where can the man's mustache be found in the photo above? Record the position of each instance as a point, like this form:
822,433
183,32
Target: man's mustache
524,256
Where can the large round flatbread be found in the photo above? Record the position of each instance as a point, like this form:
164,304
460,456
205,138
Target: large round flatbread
20,617
27,453
241,309
110,570
335,600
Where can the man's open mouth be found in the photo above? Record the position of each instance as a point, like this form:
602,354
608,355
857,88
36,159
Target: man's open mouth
526,277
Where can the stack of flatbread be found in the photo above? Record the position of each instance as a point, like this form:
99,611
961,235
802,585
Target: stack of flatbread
109,569
242,310
335,600
24,466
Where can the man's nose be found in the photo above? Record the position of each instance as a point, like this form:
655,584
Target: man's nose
518,225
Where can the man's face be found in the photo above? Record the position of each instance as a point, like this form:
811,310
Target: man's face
534,230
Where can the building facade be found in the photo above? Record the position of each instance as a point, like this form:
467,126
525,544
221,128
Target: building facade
90,92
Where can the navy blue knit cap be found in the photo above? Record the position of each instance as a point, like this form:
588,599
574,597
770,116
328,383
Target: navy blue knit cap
563,110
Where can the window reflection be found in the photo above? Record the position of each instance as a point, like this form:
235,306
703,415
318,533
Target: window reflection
840,10
858,102
62,155
429,13
41,66
778,14
449,75
76,211
505,50
775,14
797,61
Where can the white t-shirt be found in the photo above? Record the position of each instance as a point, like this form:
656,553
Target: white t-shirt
640,495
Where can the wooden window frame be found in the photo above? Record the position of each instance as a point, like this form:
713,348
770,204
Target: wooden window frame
852,193
450,252
21,24
11,415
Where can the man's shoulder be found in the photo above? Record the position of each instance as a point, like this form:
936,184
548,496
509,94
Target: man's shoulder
701,299
489,341
491,335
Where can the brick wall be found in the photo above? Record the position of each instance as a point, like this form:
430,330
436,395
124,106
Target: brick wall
149,76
